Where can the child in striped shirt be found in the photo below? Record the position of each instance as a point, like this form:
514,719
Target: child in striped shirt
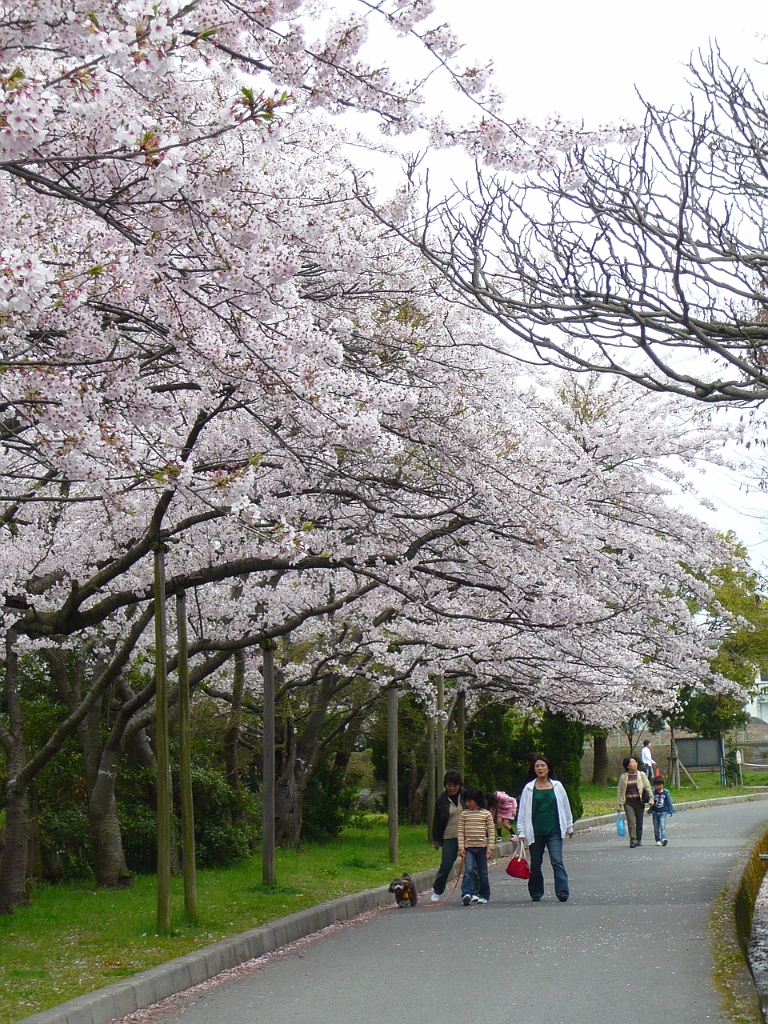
477,835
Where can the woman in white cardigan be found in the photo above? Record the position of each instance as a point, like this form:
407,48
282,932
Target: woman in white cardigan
544,819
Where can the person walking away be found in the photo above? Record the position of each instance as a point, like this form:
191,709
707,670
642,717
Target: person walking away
504,809
477,835
633,793
659,809
544,819
445,829
646,756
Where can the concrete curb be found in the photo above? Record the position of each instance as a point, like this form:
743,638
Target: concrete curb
148,987
158,983
744,991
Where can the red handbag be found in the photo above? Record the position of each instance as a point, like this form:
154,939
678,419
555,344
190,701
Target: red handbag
518,865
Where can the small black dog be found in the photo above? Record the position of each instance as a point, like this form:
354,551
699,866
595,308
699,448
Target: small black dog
405,891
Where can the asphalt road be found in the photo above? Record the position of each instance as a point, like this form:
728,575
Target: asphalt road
631,944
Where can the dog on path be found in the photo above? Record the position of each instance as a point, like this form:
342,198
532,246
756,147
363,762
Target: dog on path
404,890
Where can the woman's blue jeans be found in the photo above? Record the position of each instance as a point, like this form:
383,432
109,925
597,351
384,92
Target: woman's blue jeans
554,843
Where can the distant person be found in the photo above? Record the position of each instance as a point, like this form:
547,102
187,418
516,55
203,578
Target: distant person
646,756
633,793
477,835
504,809
445,829
659,809
544,819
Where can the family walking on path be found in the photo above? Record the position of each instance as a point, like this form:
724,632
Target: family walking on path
462,826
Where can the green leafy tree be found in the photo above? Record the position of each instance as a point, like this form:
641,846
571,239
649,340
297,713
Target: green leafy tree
562,740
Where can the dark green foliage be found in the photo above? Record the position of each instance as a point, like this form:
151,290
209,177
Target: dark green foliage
227,822
57,796
497,741
329,805
562,741
710,715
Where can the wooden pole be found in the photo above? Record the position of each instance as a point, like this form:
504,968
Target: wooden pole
185,763
268,766
461,728
673,757
440,728
392,751
164,791
431,788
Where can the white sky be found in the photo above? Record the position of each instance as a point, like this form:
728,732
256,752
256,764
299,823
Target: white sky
584,61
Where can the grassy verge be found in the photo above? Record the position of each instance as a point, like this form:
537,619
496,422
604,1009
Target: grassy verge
75,938
602,799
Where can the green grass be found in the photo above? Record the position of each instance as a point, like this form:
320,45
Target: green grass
74,937
602,799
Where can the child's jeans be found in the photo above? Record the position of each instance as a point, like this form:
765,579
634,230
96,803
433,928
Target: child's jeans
476,860
659,825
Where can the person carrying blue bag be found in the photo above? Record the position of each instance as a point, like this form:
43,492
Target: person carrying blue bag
660,807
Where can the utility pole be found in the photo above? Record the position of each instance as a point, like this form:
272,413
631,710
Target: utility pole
392,751
461,728
164,792
268,765
431,788
440,728
185,759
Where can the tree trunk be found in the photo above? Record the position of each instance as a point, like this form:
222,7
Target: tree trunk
416,801
109,863
600,766
13,860
289,800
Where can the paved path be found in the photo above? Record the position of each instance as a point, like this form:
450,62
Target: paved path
631,944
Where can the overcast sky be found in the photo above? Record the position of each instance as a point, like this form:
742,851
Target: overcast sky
585,61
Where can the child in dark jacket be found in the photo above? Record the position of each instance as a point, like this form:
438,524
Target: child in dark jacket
660,807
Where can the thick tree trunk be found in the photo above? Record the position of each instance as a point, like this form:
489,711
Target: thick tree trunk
289,805
109,863
13,862
600,766
416,801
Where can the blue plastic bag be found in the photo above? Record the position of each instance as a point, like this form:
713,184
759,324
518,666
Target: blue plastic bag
621,828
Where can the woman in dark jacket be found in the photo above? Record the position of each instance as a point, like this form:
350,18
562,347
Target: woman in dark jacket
445,829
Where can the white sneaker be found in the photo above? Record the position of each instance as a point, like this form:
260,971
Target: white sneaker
466,899
481,900
658,842
435,897
476,899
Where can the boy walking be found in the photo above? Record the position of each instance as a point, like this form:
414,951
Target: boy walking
477,834
660,807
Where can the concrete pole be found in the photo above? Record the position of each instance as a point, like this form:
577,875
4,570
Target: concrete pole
164,792
185,759
268,766
392,751
431,788
440,728
461,728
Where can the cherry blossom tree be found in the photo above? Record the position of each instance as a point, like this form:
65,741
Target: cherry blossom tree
645,260
209,343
